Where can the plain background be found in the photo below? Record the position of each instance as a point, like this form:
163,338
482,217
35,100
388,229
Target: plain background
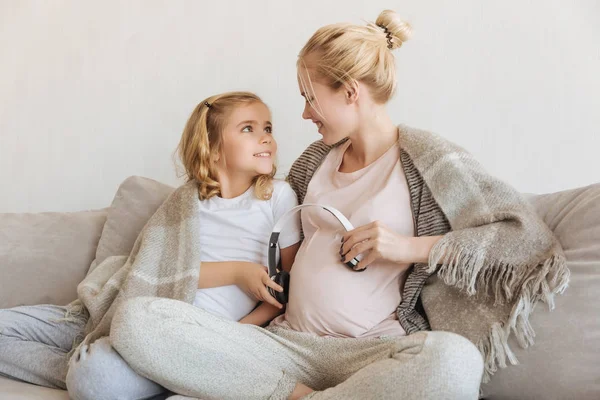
93,92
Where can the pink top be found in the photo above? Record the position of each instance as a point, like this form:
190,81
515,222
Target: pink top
326,297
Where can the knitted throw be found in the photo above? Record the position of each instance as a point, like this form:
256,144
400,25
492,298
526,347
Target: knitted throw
164,262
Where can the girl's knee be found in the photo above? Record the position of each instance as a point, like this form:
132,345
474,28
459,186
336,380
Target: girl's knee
98,372
136,328
131,311
141,311
129,318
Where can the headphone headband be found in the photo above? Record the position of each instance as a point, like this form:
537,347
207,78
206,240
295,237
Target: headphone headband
274,239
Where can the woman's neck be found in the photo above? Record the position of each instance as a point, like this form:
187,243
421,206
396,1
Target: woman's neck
233,185
372,139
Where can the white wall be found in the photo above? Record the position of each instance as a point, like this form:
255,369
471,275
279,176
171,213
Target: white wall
92,92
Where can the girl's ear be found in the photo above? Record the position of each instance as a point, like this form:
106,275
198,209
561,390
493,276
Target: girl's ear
215,157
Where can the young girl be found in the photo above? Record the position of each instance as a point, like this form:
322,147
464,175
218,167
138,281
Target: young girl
228,149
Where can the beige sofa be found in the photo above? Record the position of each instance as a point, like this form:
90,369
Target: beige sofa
44,256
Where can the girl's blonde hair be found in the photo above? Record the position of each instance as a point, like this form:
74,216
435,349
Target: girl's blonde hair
347,52
201,143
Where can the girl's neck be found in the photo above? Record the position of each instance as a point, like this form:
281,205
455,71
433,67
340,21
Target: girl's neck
233,186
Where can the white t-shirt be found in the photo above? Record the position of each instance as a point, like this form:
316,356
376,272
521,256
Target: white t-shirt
238,229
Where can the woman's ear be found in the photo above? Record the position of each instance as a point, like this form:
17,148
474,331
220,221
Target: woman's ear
352,91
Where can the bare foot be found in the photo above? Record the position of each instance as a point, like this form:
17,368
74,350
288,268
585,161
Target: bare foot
300,391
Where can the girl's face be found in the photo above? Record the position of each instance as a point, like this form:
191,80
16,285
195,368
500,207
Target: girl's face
248,146
331,110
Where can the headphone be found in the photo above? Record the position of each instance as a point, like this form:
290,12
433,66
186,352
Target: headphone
282,278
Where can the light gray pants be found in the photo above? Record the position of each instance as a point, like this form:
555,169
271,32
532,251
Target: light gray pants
194,353
34,344
34,348
97,372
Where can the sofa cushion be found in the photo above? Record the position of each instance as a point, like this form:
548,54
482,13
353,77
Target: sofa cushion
564,362
15,390
44,256
136,200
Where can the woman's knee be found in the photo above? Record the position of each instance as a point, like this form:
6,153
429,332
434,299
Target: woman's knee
455,359
98,372
450,349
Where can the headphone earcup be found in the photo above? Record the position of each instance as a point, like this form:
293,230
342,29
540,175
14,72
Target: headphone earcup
282,279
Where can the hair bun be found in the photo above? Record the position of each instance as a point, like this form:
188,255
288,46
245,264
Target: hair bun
400,30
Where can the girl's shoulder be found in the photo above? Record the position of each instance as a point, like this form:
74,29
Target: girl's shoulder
283,200
281,188
283,195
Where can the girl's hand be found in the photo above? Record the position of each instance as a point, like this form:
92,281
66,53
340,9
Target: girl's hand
253,279
376,241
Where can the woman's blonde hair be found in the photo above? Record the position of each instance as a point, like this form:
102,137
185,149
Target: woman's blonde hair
201,143
347,52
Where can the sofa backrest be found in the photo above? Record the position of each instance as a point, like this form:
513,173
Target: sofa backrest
44,256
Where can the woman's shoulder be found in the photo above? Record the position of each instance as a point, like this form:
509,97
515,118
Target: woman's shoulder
312,157
417,141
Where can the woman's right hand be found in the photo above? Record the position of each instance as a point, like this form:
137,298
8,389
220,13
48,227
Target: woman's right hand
253,279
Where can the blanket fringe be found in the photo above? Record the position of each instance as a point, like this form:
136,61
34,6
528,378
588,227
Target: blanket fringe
495,351
470,272
75,310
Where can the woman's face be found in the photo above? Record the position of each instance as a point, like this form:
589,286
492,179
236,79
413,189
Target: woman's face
331,110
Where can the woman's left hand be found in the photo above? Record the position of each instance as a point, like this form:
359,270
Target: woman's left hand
375,241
